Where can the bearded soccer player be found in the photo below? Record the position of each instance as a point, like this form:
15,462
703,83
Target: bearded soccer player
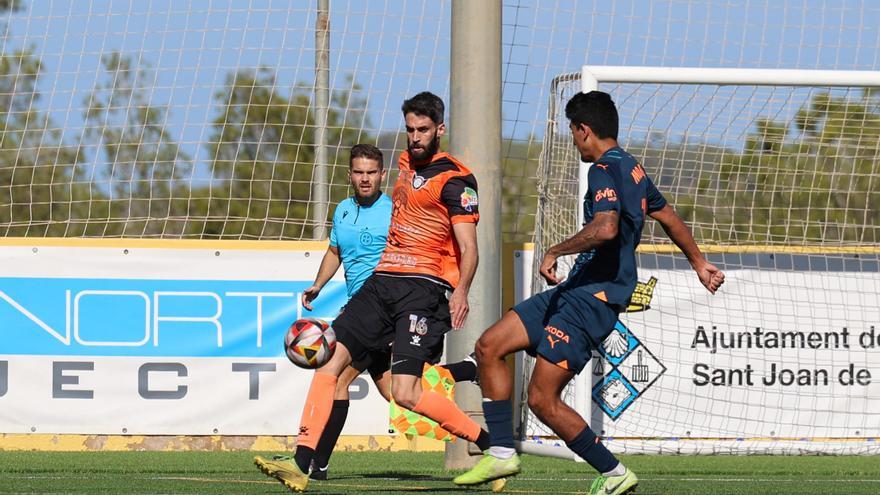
357,240
563,325
431,250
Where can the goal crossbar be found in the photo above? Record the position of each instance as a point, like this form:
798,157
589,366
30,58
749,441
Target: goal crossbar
592,75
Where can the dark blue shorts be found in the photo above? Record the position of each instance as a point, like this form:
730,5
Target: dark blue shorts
565,325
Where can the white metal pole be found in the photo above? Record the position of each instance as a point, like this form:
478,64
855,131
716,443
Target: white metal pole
722,77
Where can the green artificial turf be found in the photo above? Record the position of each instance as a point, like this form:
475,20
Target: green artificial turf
405,472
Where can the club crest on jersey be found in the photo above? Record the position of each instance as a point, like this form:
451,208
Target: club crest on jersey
418,181
469,199
365,238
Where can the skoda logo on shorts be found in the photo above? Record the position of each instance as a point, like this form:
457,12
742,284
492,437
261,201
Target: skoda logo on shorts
366,238
418,181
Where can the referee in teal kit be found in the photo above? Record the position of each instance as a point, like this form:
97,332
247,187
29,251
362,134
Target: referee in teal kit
357,239
360,225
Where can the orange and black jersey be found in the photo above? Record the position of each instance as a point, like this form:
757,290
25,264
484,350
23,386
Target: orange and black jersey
426,202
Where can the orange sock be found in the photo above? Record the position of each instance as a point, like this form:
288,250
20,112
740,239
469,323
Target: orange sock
450,417
319,403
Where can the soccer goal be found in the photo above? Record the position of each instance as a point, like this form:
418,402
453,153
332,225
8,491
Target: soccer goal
777,172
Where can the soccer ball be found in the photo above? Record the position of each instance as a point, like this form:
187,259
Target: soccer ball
309,343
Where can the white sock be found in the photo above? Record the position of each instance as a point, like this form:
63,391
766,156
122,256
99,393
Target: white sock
501,452
620,470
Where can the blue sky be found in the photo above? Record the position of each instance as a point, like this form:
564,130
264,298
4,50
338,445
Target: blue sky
396,48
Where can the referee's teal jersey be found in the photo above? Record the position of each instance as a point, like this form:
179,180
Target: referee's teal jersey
360,233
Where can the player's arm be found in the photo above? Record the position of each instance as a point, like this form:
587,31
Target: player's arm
466,237
710,276
600,230
459,195
329,264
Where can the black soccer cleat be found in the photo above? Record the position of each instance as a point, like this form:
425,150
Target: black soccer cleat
317,473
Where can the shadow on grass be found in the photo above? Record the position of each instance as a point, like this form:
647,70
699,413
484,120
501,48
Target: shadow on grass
383,482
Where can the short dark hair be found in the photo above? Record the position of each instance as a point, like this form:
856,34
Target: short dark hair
364,150
596,110
426,104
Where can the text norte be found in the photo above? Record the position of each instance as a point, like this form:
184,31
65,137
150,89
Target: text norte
151,322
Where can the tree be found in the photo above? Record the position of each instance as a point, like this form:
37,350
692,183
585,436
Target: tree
142,166
38,196
519,185
810,181
262,158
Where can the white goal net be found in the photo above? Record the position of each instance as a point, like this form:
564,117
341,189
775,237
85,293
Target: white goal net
779,183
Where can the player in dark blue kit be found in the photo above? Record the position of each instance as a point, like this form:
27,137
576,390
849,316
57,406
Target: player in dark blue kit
563,325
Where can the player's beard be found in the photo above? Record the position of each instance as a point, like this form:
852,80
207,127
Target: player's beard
426,154
366,199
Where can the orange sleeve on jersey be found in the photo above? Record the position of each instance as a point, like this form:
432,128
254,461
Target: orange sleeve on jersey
464,219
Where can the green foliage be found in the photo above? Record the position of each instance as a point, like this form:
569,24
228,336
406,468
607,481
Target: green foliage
138,188
373,472
262,158
519,198
128,176
11,5
811,181
140,181
39,195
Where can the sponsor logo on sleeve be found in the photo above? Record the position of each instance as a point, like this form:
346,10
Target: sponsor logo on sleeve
469,199
607,194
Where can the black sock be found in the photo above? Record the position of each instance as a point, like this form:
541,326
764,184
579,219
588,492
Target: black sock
590,449
303,458
462,371
330,436
483,441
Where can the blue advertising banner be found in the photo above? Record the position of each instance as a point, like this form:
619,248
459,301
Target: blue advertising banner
142,317
161,337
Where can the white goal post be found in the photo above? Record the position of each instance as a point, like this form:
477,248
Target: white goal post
777,172
593,75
